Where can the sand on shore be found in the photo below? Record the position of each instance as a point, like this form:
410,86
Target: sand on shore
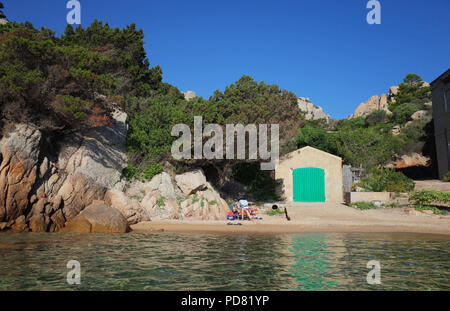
313,217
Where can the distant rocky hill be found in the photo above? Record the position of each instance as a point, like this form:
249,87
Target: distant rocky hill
189,95
377,103
311,111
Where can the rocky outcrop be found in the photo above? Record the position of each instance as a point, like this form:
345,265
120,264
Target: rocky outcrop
204,204
130,208
421,114
45,188
48,190
188,196
410,160
98,218
378,103
189,95
19,155
311,111
191,182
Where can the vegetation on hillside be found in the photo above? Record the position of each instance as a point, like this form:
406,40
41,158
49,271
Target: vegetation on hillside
368,142
380,180
52,81
68,82
74,81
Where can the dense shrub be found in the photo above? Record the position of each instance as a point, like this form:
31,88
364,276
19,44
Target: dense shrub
411,91
447,177
315,137
380,180
366,147
427,199
376,117
261,185
416,131
51,81
403,113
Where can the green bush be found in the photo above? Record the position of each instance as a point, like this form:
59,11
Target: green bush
411,91
435,210
137,172
403,113
366,147
131,172
161,202
316,137
75,106
151,170
275,212
447,177
380,180
378,116
364,205
427,197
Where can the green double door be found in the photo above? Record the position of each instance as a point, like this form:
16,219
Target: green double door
309,184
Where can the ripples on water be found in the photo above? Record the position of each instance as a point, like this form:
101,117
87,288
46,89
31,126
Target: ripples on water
224,262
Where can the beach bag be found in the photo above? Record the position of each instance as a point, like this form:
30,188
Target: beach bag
231,216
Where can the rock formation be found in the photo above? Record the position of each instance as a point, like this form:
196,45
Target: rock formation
410,160
188,196
189,95
49,190
378,103
98,218
43,191
311,111
191,182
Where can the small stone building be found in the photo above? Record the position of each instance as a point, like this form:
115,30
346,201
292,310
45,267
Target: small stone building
310,175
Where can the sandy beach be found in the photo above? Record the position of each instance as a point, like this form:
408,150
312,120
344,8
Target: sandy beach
314,218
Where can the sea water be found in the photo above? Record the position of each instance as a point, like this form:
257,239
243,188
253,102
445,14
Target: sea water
168,261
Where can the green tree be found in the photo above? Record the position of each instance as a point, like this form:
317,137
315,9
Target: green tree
366,147
376,117
315,137
411,90
413,79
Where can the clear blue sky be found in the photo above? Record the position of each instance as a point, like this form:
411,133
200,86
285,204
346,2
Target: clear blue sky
323,49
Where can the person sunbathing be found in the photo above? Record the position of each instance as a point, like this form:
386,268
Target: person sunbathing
243,209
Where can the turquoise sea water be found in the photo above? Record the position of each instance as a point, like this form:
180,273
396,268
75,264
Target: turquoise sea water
166,261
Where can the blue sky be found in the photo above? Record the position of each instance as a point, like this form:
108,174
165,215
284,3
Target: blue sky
324,50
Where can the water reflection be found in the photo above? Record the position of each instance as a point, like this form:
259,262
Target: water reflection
312,262
222,262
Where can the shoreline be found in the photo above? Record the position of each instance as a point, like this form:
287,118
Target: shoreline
247,228
308,218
